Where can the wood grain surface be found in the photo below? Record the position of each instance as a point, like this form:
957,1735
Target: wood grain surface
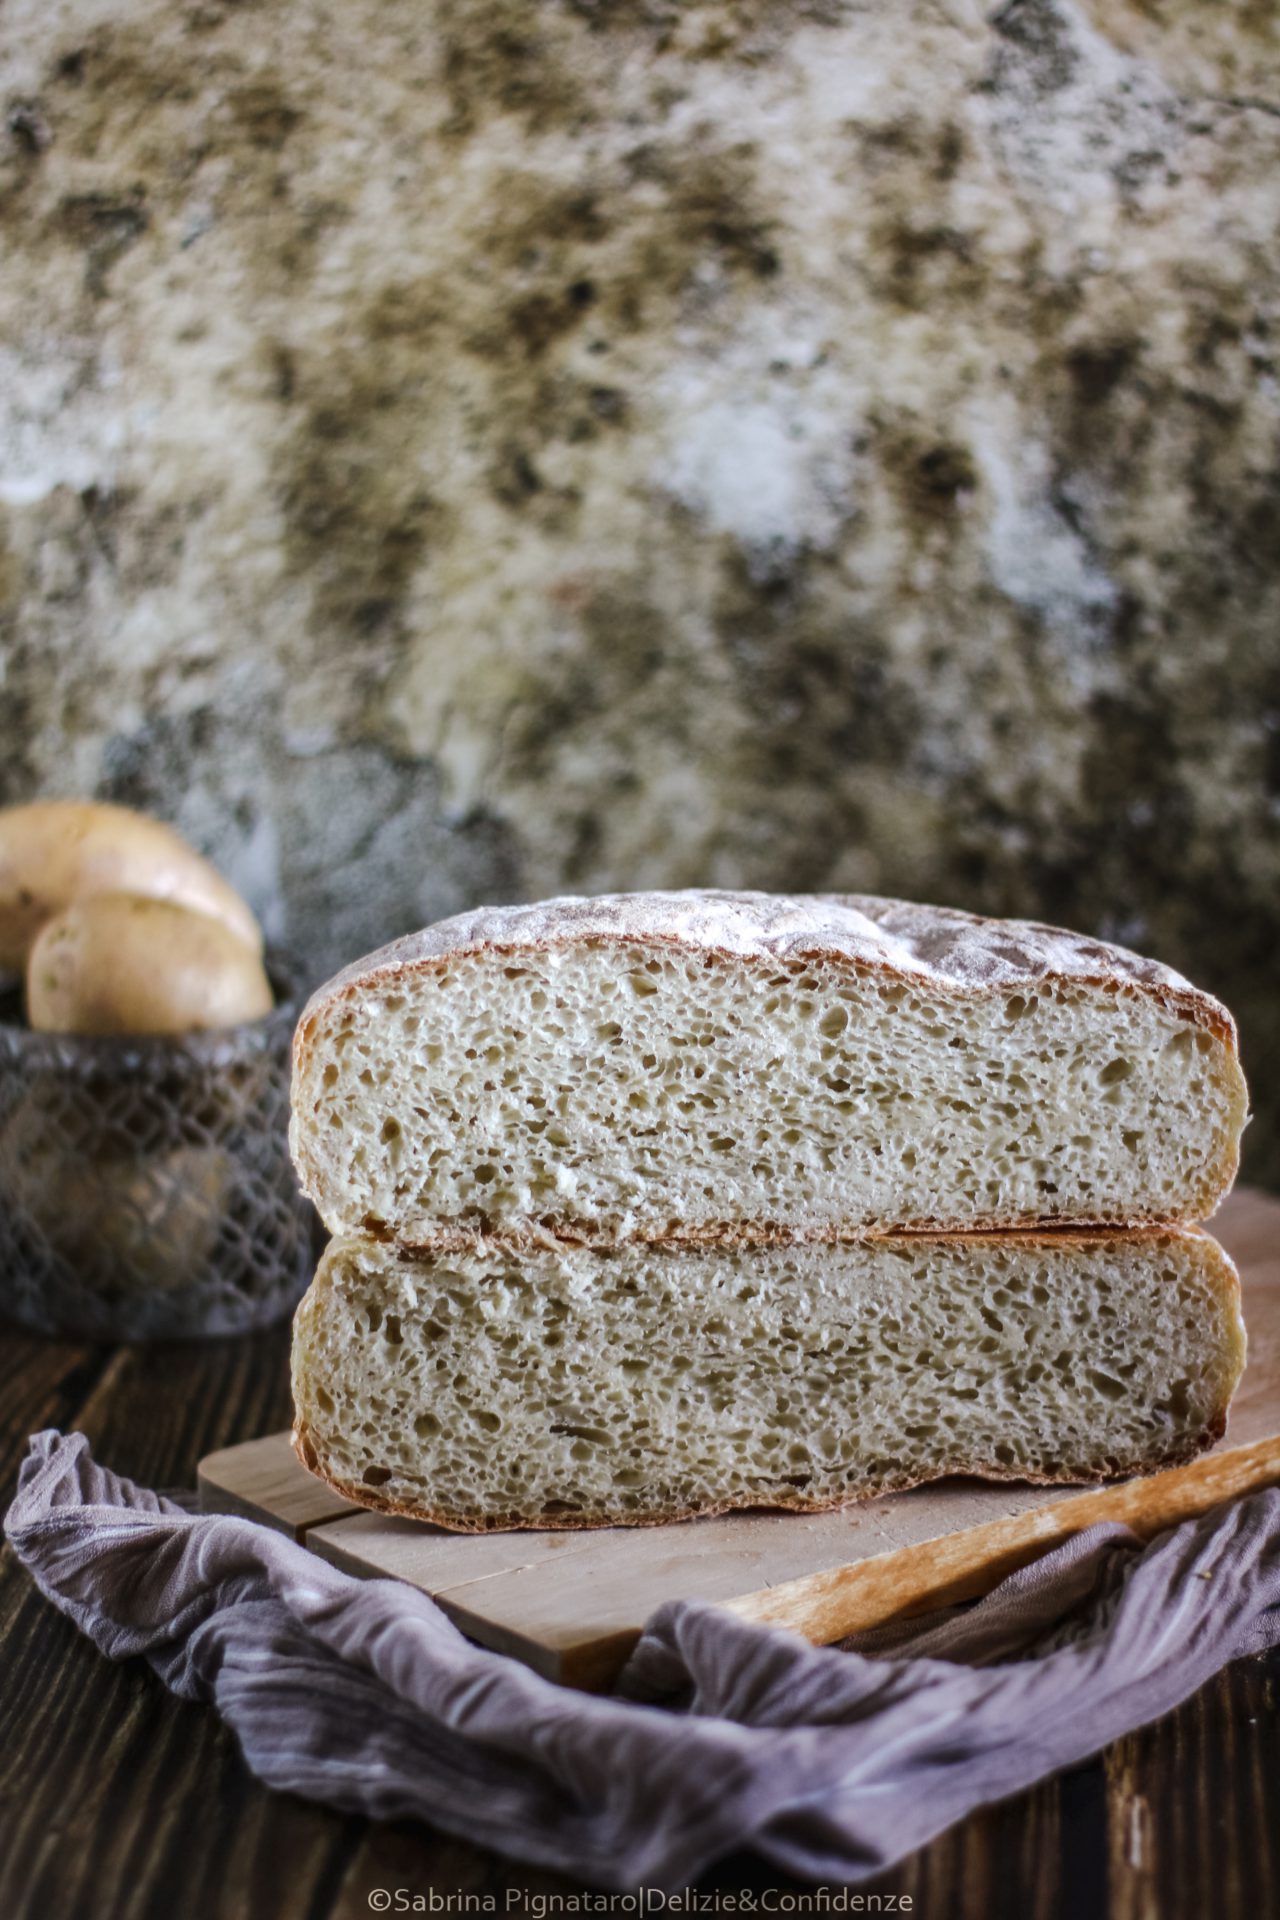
118,1802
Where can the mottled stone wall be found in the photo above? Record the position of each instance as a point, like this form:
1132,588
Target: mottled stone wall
466,451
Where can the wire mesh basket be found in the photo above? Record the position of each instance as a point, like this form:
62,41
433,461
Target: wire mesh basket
146,1190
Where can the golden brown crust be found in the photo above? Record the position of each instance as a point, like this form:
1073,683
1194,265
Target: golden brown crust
458,1236
1189,1002
941,947
1073,1233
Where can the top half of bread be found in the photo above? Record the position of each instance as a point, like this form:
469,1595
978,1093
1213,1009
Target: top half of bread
707,1066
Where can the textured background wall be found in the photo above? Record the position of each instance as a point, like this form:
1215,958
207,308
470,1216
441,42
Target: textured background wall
469,450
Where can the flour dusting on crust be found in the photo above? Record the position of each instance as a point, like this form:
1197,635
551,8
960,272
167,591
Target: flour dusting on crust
941,946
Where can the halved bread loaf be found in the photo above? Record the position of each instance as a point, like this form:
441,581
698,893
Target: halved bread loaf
565,1387
708,1066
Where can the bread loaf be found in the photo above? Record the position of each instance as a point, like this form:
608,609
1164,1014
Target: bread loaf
704,1067
567,1387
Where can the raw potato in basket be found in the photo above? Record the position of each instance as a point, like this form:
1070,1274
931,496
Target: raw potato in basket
120,963
702,1067
54,852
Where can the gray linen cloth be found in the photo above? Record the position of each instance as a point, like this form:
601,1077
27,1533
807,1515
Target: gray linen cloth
832,1763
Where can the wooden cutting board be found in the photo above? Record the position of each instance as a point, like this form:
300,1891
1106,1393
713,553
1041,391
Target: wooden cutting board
571,1604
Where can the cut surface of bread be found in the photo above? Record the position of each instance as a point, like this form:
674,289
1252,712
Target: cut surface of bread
569,1387
704,1066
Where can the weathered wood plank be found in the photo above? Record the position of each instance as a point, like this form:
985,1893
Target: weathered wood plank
116,1799
1194,1803
161,1409
264,1480
42,1384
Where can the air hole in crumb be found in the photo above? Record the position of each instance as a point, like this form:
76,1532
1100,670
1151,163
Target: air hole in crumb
596,1435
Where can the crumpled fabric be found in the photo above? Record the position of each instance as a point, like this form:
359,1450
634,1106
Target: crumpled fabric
831,1763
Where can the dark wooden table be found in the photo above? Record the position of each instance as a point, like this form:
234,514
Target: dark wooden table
119,1802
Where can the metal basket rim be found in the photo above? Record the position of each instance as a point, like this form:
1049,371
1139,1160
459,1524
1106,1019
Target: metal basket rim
142,1052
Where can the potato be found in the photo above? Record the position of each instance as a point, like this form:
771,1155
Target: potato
58,851
122,963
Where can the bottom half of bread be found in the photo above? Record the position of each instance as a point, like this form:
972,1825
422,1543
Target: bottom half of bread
570,1388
